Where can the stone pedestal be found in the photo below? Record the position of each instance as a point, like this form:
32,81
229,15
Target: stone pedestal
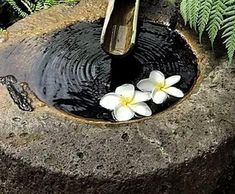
184,149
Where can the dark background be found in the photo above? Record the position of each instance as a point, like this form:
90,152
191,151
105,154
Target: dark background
7,14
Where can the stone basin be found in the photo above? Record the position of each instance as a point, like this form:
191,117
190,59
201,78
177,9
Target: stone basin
184,149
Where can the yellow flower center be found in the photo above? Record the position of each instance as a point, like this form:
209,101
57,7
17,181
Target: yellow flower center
160,86
125,101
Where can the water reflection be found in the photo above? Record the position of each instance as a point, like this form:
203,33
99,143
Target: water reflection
74,72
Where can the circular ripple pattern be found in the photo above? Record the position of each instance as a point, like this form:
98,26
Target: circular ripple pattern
74,72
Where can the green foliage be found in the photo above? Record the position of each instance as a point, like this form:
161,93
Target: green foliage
229,29
212,16
204,15
193,13
216,18
42,4
14,5
34,5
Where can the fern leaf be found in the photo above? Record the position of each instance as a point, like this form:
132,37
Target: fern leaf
50,3
212,16
184,10
230,2
229,29
216,19
27,5
38,5
193,13
13,4
204,14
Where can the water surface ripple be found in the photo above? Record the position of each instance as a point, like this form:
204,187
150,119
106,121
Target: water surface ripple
74,72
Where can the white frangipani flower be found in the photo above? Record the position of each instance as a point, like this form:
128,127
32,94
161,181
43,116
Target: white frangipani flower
160,87
125,102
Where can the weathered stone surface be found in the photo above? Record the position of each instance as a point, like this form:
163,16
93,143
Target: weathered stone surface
182,150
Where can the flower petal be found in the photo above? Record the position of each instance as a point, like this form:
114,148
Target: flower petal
159,97
146,85
126,90
123,113
110,101
173,91
172,80
141,108
157,77
141,96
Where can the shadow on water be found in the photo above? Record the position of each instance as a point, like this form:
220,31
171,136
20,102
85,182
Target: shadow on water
74,72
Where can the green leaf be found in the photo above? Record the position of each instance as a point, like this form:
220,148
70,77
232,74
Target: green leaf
184,9
193,13
229,29
204,14
13,4
216,19
212,16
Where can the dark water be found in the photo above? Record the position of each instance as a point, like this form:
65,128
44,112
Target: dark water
74,72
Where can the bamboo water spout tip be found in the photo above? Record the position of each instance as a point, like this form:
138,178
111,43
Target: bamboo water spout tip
120,25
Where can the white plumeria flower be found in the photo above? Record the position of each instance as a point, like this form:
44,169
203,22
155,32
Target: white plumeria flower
160,87
125,102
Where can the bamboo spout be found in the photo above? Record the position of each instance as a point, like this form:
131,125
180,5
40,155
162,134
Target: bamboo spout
120,26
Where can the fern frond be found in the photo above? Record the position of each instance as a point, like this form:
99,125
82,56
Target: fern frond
184,10
204,14
193,13
230,2
229,29
13,4
50,3
212,16
27,5
38,5
216,19
42,4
